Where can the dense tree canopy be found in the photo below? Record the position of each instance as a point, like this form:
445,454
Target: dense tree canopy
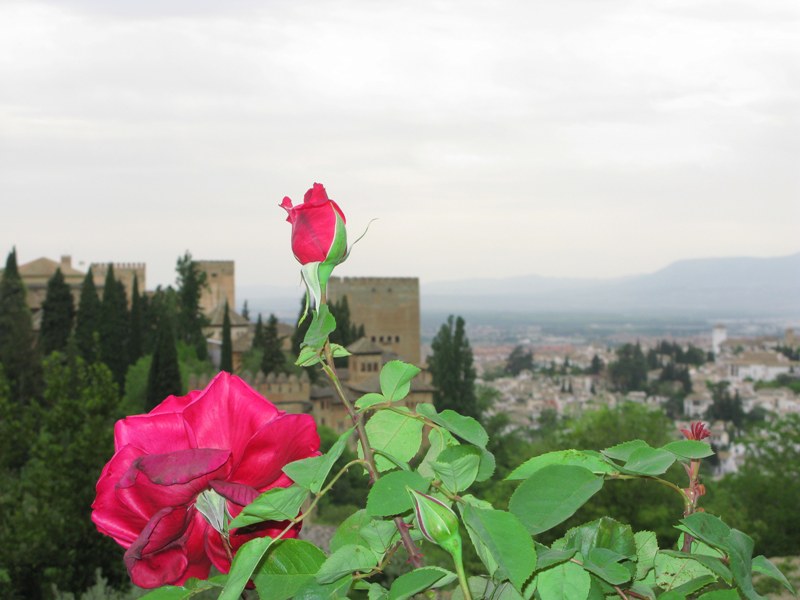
452,370
58,314
18,356
190,319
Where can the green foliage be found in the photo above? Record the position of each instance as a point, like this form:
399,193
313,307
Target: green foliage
87,321
47,536
164,377
771,470
58,313
519,360
226,352
452,371
725,407
114,327
629,371
273,360
190,319
17,353
137,330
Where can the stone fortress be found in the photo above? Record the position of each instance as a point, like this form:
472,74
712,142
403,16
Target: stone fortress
387,307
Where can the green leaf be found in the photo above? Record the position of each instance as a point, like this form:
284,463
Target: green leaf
587,459
380,535
720,595
605,564
480,587
547,557
467,428
712,563
646,548
419,580
349,531
487,466
311,473
368,400
649,461
505,538
737,545
457,467
244,563
289,565
396,433
565,581
389,497
438,439
672,572
339,351
308,357
682,591
689,449
762,565
346,560
396,379
552,495
623,451
277,504
322,325
192,587
643,589
314,590
377,592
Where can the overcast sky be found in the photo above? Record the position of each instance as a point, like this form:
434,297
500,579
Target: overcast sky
576,138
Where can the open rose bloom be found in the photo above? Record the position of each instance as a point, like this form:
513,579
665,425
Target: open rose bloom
221,446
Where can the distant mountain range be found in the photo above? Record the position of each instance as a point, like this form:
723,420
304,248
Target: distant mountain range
724,287
708,287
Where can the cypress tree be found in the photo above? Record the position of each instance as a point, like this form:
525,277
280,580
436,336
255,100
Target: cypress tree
273,359
113,327
135,342
452,369
258,334
164,377
191,320
226,354
17,352
87,322
245,311
58,313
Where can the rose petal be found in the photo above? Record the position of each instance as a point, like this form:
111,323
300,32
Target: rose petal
286,439
143,497
150,559
182,466
235,492
153,434
227,414
175,404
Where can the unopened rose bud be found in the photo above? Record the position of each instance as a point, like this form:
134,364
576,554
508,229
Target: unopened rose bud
437,522
319,237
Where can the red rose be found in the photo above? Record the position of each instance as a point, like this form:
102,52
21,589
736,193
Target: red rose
206,453
318,233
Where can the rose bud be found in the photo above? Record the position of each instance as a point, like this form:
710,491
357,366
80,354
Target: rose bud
319,237
437,522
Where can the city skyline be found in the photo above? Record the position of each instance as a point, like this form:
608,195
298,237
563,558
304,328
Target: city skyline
565,139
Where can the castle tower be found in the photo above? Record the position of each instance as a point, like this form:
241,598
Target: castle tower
220,284
387,307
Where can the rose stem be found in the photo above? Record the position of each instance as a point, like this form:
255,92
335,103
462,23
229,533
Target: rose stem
414,556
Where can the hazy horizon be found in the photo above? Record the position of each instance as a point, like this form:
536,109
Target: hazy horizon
569,139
